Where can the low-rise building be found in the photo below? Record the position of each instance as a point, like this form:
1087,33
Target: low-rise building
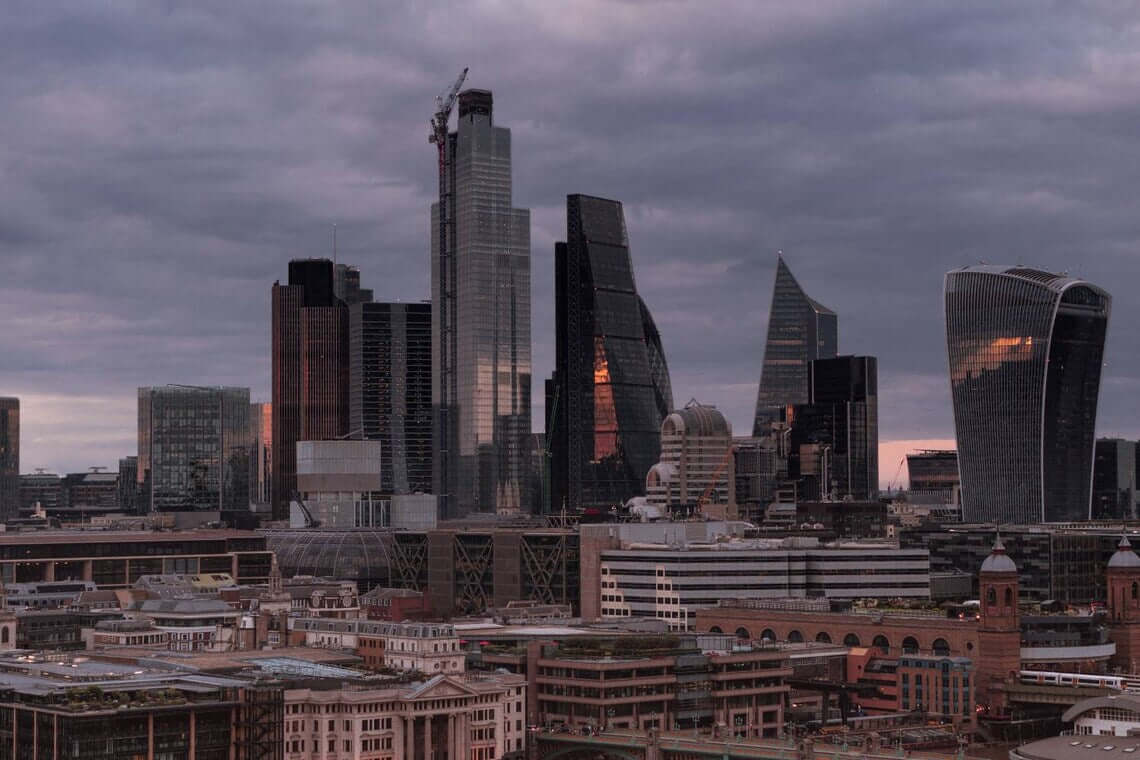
193,624
320,597
429,648
664,571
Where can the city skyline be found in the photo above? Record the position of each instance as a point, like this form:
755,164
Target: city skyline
860,239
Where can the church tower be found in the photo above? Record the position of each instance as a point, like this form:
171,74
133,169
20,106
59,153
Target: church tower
1123,577
999,630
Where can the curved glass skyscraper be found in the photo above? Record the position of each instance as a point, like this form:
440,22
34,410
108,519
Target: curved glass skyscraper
610,389
800,329
1025,349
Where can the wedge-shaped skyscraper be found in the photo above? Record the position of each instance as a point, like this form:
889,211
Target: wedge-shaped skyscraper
1026,349
800,330
610,389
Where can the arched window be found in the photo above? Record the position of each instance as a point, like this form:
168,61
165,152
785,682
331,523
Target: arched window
1135,588
715,629
767,635
4,635
941,648
910,645
742,633
851,640
991,596
823,637
880,642
1009,597
795,636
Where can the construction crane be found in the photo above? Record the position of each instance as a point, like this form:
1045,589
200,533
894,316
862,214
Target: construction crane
716,478
895,479
445,296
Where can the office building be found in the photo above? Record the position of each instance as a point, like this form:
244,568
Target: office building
310,397
481,354
933,477
194,449
260,454
695,472
800,330
670,571
9,456
128,484
390,389
610,390
42,488
117,559
841,423
1114,480
1026,349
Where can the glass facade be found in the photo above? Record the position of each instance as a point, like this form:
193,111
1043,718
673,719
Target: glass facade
1114,480
310,379
481,353
610,389
194,448
9,457
799,330
1025,350
843,416
390,389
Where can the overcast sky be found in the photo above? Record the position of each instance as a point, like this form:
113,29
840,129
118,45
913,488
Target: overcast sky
160,163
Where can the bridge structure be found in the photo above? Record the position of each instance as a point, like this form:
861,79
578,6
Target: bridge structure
628,744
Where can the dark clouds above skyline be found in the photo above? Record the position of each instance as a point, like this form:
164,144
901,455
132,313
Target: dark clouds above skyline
162,162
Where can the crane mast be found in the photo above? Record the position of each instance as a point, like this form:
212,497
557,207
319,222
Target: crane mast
445,435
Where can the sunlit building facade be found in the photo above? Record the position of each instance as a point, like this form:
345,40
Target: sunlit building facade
610,389
481,393
1026,349
800,330
193,449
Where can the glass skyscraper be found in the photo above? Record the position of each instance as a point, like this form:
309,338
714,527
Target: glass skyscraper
194,449
799,330
310,364
842,414
390,389
610,390
481,354
1025,350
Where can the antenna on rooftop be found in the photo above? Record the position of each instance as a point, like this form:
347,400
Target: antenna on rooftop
334,244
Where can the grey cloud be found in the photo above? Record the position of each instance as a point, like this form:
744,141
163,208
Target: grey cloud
162,162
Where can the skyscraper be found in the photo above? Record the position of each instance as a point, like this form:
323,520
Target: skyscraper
9,456
1114,480
799,330
1025,350
842,414
610,390
481,361
260,454
310,363
390,389
194,449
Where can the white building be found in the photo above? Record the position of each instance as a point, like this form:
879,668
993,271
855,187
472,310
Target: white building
430,648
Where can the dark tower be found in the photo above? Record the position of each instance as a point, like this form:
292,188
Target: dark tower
310,364
799,330
1123,578
390,389
999,630
9,457
1025,350
610,389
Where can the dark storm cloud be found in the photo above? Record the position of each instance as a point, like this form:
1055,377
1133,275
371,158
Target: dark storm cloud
161,163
